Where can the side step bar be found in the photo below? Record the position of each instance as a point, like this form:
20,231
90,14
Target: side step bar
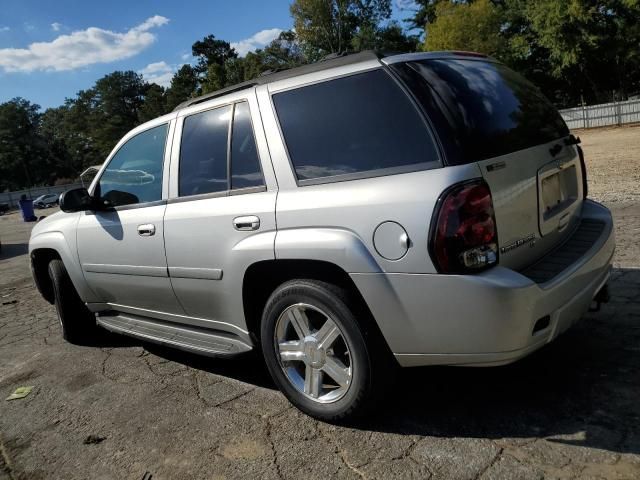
197,340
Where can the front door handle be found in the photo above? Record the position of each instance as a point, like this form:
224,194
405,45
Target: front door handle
146,230
250,222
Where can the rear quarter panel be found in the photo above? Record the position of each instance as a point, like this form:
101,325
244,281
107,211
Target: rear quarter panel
358,207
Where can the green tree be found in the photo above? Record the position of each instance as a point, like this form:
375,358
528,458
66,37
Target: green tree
183,86
59,163
22,150
424,13
387,39
210,51
119,97
155,103
325,27
460,26
596,43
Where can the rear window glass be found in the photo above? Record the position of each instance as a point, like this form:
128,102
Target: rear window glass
355,124
490,109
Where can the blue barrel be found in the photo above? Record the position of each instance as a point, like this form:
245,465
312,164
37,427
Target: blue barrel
26,209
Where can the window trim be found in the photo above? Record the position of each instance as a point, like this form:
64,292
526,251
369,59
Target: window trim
229,191
123,141
378,172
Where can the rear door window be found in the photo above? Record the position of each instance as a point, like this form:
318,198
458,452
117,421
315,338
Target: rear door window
203,152
355,125
484,107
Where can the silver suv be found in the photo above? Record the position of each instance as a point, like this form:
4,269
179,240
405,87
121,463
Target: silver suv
344,218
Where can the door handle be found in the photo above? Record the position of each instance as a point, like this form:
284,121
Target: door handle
146,230
250,222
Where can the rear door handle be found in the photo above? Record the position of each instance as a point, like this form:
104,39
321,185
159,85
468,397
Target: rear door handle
250,222
146,230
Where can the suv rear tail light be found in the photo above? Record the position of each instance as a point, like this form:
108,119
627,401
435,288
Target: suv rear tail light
583,167
464,237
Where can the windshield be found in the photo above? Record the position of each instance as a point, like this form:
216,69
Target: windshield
487,109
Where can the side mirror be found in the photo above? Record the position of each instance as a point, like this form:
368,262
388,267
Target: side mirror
76,200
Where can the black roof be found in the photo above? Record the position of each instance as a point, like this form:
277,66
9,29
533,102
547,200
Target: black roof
325,64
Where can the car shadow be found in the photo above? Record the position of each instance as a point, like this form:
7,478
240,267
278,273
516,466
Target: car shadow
10,250
582,389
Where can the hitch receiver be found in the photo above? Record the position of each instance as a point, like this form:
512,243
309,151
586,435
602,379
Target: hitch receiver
601,297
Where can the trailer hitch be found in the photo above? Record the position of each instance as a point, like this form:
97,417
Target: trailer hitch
601,297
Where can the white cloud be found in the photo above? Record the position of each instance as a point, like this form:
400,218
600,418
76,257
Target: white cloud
81,48
186,56
158,72
29,27
55,26
260,39
406,4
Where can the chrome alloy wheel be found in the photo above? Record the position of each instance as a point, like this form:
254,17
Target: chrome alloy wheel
313,353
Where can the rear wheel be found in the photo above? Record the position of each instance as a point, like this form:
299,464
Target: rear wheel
316,351
77,322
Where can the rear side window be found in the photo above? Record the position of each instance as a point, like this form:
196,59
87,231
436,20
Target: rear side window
245,166
487,109
203,152
361,123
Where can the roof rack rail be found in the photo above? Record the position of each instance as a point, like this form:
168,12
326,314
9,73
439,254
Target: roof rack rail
217,93
330,61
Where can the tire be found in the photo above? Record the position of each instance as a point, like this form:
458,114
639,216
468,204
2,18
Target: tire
308,376
77,322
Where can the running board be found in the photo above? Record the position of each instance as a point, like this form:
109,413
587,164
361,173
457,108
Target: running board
196,340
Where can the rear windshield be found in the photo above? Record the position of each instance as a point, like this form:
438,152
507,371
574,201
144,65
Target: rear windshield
484,108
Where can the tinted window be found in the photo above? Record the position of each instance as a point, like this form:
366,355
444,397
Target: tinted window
487,108
354,124
245,166
203,152
134,174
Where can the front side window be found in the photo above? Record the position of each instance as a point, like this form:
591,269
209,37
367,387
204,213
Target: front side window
354,124
203,152
134,174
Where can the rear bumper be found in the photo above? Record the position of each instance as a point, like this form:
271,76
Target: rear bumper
485,319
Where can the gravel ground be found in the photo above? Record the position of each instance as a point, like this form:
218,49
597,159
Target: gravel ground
128,410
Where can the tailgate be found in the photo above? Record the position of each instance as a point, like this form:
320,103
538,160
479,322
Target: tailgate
537,199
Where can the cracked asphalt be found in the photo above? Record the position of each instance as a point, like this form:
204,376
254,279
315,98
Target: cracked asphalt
130,410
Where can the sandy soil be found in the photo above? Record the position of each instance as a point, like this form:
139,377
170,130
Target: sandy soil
613,163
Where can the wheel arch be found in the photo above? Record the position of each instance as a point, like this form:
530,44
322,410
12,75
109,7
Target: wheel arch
262,278
46,244
40,259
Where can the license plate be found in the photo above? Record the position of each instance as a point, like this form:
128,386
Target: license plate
558,191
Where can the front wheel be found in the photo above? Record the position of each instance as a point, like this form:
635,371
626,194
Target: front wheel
77,322
316,352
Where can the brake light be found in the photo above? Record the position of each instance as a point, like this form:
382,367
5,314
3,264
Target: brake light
464,236
583,167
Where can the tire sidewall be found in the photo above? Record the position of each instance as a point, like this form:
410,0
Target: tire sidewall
74,317
315,294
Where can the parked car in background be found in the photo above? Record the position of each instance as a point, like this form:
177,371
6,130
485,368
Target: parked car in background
47,201
342,218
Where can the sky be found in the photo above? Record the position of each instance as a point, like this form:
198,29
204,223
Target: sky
51,49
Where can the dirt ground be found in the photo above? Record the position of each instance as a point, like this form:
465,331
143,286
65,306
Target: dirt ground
130,410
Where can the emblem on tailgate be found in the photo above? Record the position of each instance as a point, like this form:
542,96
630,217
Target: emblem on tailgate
530,239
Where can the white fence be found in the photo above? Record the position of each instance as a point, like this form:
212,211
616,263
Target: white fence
615,113
12,198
